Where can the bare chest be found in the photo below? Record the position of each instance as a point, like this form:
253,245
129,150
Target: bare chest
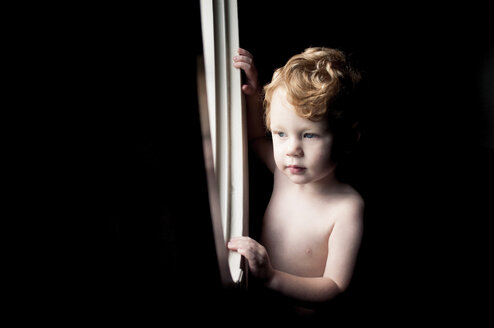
295,234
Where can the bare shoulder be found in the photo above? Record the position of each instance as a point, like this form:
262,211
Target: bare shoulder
351,198
348,205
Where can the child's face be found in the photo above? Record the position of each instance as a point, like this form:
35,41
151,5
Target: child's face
301,147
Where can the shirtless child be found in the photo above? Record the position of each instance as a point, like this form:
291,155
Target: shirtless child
312,227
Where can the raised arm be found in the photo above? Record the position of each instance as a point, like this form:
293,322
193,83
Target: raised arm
255,112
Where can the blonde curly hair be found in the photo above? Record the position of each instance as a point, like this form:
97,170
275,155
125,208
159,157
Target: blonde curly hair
314,80
319,84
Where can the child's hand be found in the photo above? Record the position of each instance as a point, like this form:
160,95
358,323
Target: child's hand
244,60
256,255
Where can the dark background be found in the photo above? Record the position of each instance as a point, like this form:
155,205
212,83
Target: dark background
424,165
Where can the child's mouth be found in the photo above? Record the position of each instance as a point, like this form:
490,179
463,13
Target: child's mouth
295,169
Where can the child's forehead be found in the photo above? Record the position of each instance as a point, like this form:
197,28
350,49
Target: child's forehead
280,99
287,116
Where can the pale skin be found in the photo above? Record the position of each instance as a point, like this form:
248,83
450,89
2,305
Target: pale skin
312,227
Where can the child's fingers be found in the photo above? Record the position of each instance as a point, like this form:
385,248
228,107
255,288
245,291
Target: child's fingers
238,240
254,253
250,73
244,52
246,249
247,89
242,65
250,257
245,59
235,243
232,246
242,243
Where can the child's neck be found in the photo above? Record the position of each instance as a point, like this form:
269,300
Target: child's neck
328,184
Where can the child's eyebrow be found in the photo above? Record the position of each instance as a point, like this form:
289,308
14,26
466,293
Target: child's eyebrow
315,128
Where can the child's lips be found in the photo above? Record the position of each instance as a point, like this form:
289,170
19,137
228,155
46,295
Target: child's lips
295,169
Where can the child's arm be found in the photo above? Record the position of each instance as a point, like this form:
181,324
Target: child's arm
253,92
343,246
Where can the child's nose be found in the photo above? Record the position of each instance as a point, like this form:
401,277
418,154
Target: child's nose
294,148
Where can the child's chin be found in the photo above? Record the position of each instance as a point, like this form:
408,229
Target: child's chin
297,179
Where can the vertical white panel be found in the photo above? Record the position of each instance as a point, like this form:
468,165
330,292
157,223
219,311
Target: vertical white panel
222,114
228,129
213,190
237,159
207,26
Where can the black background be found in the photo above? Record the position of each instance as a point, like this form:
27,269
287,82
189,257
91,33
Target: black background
424,167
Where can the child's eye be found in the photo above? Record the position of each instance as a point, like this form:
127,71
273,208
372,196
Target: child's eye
310,135
281,134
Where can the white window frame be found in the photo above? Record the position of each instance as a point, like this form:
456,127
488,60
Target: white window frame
223,122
